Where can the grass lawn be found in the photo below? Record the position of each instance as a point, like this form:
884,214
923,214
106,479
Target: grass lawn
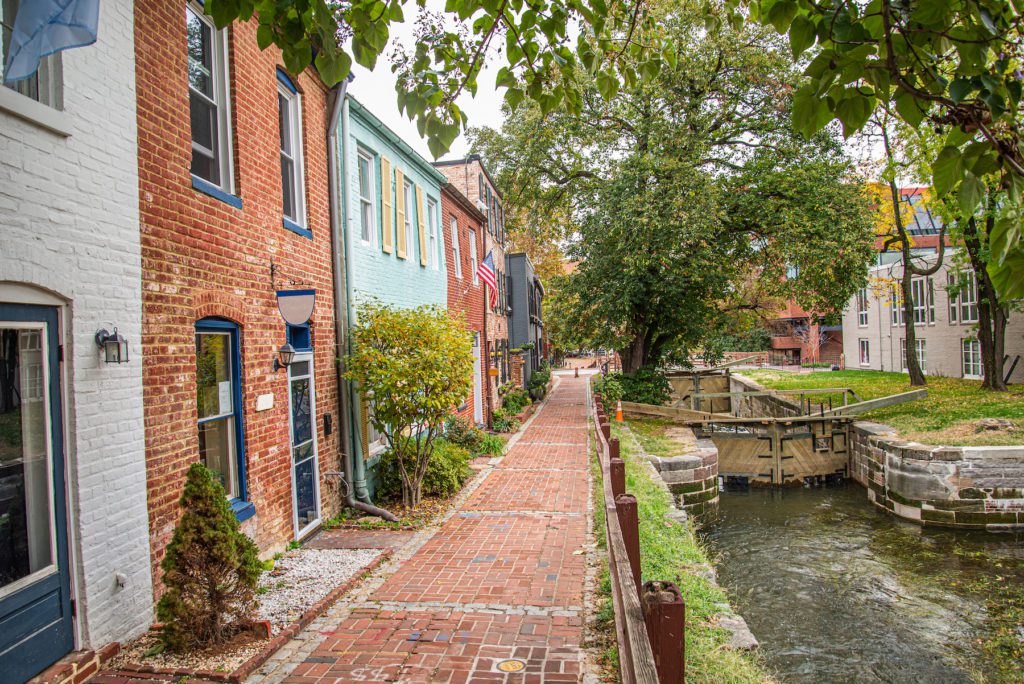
666,549
948,416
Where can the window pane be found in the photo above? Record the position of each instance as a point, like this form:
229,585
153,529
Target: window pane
200,54
302,428
217,452
203,117
284,124
288,187
364,177
214,394
366,220
305,490
25,518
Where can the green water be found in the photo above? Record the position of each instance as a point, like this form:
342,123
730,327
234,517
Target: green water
837,591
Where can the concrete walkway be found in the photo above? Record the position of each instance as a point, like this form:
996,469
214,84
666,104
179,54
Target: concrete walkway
499,586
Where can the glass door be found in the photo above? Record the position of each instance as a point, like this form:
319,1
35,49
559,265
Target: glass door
35,593
305,470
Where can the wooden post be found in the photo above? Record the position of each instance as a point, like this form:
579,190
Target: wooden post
665,616
629,523
606,427
613,448
617,469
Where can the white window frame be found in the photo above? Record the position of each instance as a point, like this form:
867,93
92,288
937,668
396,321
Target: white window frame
367,204
864,347
410,217
222,95
952,295
920,347
473,256
433,259
862,307
969,300
897,306
970,358
919,293
456,247
46,86
294,103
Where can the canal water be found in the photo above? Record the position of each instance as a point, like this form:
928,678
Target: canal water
837,591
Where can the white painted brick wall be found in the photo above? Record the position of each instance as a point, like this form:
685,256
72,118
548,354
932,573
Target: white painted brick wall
69,223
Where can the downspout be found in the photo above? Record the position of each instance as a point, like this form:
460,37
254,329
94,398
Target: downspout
353,472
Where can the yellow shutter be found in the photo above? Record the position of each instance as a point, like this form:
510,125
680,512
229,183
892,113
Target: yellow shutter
422,224
388,234
364,428
400,217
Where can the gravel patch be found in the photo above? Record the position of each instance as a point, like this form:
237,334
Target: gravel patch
303,577
299,579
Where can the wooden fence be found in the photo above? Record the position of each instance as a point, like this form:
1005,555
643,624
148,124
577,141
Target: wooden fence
650,621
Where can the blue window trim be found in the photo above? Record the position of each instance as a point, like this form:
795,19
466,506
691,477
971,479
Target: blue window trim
242,508
212,190
286,81
288,328
296,228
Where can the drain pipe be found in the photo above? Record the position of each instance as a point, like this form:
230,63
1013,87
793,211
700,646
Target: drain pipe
352,468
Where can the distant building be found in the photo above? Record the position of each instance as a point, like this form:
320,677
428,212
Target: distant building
470,177
945,321
526,323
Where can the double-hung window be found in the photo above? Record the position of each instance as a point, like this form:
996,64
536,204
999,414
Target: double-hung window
971,358
865,352
219,410
951,296
289,107
410,215
456,248
919,291
473,256
897,306
862,307
432,257
969,301
46,85
367,203
208,99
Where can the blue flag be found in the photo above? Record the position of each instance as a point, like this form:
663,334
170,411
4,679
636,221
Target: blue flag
43,27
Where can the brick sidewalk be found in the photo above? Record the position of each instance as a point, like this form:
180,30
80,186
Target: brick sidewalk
501,580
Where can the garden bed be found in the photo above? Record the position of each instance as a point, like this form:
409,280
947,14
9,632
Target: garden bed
300,587
951,414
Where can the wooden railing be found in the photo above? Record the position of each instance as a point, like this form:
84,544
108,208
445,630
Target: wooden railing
649,620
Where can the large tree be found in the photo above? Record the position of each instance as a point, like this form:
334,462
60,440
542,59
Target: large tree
678,189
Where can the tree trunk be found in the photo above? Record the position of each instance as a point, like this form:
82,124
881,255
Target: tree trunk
634,357
906,285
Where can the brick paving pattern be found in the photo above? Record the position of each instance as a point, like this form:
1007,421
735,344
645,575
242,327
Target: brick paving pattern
360,539
501,580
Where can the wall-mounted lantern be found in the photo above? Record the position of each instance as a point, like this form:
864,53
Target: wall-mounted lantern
115,347
284,356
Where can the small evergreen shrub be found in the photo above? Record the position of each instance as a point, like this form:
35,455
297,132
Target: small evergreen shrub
210,570
461,432
502,421
610,390
515,401
447,472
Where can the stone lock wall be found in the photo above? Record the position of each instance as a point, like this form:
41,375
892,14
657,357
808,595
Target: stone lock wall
970,487
693,478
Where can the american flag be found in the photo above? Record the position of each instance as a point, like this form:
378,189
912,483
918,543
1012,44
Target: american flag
486,273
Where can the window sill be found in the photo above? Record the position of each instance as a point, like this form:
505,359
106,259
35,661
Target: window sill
296,228
243,510
208,188
34,112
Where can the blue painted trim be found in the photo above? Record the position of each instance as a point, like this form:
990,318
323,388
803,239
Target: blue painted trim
294,293
289,334
286,80
296,228
212,190
243,510
221,325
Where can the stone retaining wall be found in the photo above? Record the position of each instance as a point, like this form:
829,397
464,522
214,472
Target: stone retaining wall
693,478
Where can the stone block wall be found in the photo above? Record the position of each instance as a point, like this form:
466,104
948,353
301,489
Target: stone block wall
970,487
693,478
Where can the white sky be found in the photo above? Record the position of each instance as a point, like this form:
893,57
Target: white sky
376,90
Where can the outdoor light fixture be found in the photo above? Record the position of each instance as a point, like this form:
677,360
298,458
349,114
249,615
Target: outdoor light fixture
284,356
115,347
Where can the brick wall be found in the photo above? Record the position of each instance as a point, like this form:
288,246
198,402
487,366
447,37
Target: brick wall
202,257
464,297
70,237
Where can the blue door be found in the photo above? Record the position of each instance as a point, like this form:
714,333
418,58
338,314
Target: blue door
35,583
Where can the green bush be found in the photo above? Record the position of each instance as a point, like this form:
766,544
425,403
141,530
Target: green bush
540,377
646,386
447,471
502,421
515,401
610,389
461,432
492,445
210,570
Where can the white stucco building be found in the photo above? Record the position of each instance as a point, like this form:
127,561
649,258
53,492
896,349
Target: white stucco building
74,553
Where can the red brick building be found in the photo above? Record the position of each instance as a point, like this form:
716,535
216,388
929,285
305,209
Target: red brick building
463,226
470,177
233,176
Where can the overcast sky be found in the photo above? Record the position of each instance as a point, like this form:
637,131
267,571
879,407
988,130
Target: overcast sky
376,90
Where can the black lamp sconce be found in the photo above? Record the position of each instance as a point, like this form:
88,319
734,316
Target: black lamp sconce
115,347
284,356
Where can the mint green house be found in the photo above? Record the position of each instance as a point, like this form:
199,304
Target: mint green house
391,239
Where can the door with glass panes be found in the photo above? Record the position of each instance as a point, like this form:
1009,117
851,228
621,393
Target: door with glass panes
305,469
36,626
